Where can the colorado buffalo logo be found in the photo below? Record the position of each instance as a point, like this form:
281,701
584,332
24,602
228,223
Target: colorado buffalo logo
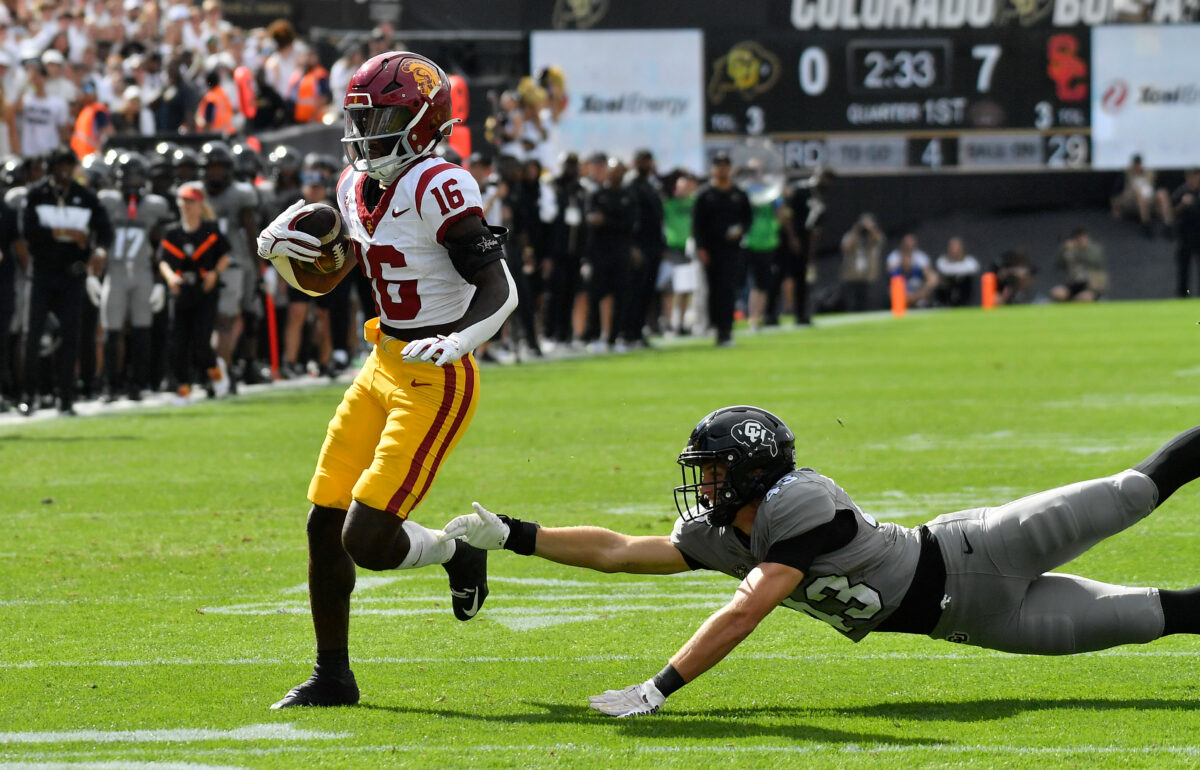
754,435
748,68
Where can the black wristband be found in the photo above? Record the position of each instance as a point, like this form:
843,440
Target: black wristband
522,535
668,681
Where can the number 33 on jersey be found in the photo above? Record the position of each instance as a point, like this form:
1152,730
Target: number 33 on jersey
399,243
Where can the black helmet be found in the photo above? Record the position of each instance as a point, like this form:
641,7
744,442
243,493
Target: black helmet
285,159
97,169
13,171
216,153
756,450
246,162
186,164
132,172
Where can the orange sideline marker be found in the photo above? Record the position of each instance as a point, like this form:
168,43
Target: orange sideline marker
899,296
987,290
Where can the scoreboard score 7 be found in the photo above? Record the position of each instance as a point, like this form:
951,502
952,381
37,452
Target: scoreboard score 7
967,98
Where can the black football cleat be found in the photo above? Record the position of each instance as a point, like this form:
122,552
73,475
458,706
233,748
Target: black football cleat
467,569
322,690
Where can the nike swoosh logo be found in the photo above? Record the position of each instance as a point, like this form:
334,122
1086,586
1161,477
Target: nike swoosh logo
967,545
400,212
416,384
470,611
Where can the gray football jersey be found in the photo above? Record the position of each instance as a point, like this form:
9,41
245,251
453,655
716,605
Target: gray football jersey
132,225
852,589
228,207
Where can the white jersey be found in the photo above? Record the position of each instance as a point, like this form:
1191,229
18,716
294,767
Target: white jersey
399,244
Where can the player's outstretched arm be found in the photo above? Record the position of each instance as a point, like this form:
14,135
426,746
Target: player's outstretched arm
763,589
591,547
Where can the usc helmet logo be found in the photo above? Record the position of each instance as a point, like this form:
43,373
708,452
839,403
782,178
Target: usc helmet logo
748,69
426,77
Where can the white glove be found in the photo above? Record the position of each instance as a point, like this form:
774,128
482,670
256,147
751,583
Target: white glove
278,239
634,701
441,350
158,298
482,529
94,289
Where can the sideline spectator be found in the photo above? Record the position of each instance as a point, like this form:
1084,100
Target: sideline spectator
647,251
1014,277
720,219
1135,196
45,121
1185,203
192,255
763,241
1083,262
680,253
958,272
69,233
862,247
916,268
808,209
612,219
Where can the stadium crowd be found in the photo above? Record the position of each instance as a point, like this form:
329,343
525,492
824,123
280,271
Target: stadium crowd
112,298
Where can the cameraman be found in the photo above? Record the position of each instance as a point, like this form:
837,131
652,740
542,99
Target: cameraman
862,246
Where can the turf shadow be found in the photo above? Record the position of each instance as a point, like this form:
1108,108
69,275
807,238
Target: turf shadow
69,439
1000,708
732,724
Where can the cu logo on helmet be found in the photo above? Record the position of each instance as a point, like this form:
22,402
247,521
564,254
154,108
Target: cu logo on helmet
754,435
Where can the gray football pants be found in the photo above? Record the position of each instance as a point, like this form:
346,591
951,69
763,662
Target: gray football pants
998,595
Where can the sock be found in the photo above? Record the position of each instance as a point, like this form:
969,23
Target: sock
1174,464
423,547
1181,611
333,661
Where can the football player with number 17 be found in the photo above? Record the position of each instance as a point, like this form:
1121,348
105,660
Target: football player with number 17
794,537
415,227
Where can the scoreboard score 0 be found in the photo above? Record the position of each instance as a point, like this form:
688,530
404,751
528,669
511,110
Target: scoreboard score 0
988,99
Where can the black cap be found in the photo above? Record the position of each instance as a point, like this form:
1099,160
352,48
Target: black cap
597,157
643,154
720,156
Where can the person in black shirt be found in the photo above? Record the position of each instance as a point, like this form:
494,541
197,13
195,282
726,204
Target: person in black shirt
8,298
612,218
566,312
1186,204
68,233
649,244
719,220
192,255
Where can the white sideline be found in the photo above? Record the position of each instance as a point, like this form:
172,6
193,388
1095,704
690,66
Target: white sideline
112,765
264,732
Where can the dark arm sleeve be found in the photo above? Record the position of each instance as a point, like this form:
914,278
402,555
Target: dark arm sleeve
801,551
101,225
691,562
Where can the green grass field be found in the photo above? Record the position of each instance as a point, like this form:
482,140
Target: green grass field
152,576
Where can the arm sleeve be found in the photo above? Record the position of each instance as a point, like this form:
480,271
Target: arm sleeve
102,224
445,194
801,551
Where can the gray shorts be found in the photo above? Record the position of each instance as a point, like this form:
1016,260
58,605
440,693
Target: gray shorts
124,296
233,289
998,594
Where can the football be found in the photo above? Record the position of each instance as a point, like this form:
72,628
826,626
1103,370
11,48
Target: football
324,222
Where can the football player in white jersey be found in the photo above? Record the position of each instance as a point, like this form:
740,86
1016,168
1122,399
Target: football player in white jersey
441,288
794,537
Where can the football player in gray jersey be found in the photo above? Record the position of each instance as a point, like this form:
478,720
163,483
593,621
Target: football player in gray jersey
130,292
235,205
794,537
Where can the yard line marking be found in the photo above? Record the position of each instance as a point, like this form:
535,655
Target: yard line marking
265,732
112,765
851,749
979,655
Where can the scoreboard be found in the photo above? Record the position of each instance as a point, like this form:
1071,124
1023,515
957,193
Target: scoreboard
869,101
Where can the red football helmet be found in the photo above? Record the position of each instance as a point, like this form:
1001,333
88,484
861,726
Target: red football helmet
397,110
